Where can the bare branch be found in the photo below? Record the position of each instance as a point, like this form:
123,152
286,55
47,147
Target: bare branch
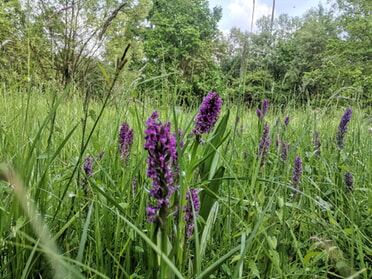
51,19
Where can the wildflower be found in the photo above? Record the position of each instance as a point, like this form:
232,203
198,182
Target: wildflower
285,147
261,113
208,114
297,172
349,185
191,210
286,121
162,159
88,170
258,112
125,141
265,107
264,144
316,143
342,128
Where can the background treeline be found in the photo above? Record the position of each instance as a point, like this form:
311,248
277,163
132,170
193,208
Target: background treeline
172,47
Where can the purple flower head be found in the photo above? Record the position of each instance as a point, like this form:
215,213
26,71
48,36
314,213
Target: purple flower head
342,128
263,148
297,172
284,151
191,210
162,161
125,141
316,143
286,121
258,112
208,114
261,113
265,108
349,185
88,170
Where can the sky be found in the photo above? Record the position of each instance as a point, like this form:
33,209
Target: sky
238,13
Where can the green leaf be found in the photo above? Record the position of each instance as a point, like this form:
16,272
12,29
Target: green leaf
309,256
210,192
84,235
272,241
253,268
235,259
207,232
107,79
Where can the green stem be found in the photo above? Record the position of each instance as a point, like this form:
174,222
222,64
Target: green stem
164,249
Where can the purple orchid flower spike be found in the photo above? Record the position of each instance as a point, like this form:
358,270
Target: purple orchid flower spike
191,210
343,127
297,173
125,141
162,165
263,148
208,114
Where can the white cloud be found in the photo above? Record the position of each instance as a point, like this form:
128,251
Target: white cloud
239,13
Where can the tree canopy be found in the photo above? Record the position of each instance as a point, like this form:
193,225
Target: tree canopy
176,47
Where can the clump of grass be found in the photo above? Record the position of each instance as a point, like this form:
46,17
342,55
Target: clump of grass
251,220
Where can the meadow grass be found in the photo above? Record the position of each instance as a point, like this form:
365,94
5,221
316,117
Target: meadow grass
252,222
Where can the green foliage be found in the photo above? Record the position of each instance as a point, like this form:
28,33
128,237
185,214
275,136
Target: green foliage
179,40
209,169
308,59
350,56
13,52
177,49
63,41
251,224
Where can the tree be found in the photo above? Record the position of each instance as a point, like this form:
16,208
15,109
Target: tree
63,40
280,54
179,39
13,56
351,52
344,68
77,33
306,51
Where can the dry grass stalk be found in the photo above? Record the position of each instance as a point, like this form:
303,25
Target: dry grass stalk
110,19
48,244
50,21
3,44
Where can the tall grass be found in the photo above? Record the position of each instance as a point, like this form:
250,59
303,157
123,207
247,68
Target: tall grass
252,222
